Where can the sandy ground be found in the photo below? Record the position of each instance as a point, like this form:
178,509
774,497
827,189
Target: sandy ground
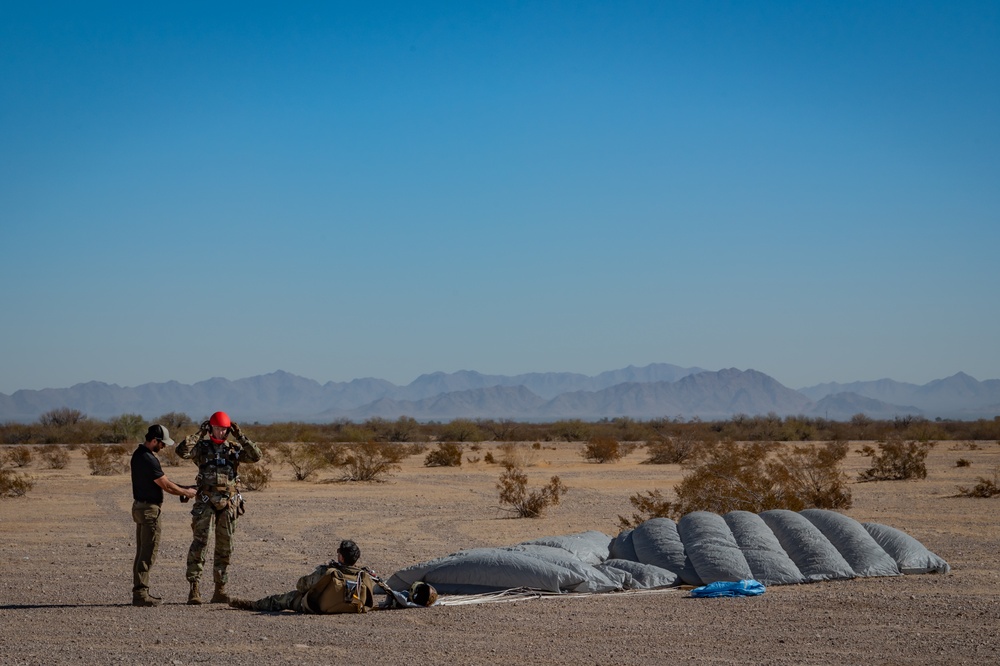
66,552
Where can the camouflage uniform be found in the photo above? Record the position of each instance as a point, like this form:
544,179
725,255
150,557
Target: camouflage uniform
293,600
218,500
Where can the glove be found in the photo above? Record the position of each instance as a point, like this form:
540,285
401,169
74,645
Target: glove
235,429
205,426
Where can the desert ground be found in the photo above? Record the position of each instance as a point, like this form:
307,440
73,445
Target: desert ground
66,552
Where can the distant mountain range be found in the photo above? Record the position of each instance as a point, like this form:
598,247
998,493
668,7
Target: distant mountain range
654,391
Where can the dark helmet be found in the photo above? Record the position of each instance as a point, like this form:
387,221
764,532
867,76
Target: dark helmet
423,594
350,552
220,420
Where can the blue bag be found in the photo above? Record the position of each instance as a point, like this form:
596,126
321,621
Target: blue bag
727,588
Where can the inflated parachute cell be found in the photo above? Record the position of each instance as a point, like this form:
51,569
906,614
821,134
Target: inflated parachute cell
776,547
767,560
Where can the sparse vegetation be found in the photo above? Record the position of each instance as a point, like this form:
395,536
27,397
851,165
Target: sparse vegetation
963,462
447,454
18,456
305,459
54,456
896,460
513,487
255,476
985,487
671,450
752,476
14,484
107,460
370,461
606,449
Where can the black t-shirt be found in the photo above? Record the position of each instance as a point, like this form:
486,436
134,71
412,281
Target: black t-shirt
145,470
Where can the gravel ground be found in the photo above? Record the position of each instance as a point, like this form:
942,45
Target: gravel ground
66,551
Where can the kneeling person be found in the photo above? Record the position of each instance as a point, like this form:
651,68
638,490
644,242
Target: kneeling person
337,587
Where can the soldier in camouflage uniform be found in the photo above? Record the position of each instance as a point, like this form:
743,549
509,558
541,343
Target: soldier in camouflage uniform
348,555
219,501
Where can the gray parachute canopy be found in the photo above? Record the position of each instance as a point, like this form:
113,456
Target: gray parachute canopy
774,547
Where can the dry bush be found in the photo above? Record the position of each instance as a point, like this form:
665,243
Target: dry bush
517,455
255,476
513,487
489,459
462,430
813,475
604,450
305,459
169,457
54,456
18,456
984,487
728,476
14,484
107,460
671,450
447,454
896,460
369,461
963,462
650,505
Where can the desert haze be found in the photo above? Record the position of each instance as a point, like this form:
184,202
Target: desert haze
67,548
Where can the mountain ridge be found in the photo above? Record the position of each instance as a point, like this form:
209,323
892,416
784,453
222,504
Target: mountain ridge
657,390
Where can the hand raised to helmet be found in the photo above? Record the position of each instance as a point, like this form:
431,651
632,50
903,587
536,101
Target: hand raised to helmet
235,429
205,427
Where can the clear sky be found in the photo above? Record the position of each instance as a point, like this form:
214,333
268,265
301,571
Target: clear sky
373,189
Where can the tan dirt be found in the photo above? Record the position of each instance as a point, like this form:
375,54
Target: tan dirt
66,553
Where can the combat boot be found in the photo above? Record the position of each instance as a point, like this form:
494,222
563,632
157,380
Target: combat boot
242,604
194,596
220,596
147,601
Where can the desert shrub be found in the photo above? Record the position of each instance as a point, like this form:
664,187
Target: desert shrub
489,459
447,454
127,428
513,487
963,462
648,505
984,487
517,454
369,461
61,416
105,460
174,421
462,430
169,457
305,459
573,430
473,460
255,476
500,430
728,476
671,450
604,450
14,484
54,456
896,460
813,475
18,456
403,429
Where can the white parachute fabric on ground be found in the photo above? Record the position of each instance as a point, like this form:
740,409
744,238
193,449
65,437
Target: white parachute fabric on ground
812,552
712,548
853,542
910,555
657,542
776,547
766,558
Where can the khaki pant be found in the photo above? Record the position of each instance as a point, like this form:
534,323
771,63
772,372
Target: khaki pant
279,602
204,516
147,543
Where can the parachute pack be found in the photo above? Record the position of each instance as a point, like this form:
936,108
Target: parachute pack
337,593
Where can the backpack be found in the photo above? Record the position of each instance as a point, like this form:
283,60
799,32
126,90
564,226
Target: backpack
337,593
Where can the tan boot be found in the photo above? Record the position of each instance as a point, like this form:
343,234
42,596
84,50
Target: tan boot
194,596
220,596
242,604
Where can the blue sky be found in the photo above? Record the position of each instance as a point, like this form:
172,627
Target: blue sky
345,190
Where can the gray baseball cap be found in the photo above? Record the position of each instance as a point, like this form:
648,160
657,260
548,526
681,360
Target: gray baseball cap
156,431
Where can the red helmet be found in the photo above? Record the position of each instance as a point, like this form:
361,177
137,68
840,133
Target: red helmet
220,419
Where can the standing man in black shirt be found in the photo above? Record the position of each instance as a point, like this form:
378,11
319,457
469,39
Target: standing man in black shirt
148,484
